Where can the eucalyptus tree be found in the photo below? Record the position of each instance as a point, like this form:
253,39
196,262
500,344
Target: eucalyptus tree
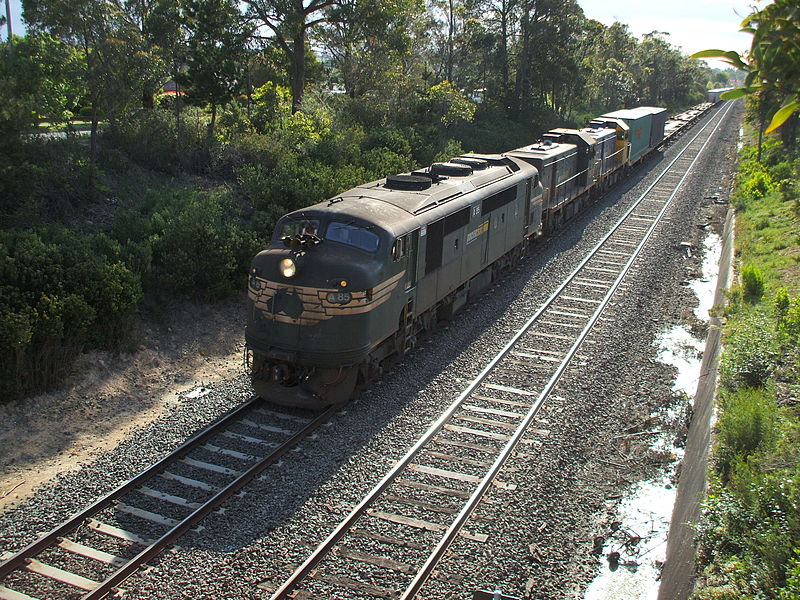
115,57
288,24
364,59
546,58
89,25
499,16
614,69
158,23
47,72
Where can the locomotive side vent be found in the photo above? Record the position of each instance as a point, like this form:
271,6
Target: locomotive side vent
408,182
452,169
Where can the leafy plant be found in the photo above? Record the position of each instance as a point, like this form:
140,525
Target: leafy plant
748,423
753,283
61,291
751,353
771,65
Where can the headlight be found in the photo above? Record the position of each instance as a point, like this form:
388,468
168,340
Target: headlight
287,267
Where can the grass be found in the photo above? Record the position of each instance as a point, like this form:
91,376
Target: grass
768,236
749,537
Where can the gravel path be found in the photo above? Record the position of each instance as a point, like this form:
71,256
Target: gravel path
540,534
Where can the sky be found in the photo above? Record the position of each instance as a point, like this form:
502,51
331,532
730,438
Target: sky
692,24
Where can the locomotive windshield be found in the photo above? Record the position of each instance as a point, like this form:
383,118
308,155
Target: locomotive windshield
293,227
352,235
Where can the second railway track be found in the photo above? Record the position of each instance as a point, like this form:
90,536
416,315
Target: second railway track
92,553
425,501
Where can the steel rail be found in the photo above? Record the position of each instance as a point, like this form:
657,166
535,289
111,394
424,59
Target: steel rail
340,531
45,541
109,585
168,538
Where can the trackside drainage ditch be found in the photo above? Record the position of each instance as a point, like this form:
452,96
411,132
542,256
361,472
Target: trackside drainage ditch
634,549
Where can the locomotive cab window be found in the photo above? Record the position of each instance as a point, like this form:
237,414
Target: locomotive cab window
352,235
293,227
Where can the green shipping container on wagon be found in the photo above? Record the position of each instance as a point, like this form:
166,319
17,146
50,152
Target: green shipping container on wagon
657,127
640,120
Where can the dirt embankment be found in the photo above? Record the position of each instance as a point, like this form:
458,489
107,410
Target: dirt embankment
108,395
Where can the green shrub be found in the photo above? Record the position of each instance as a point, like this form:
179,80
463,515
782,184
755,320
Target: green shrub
248,150
791,591
272,107
199,247
757,185
60,292
751,353
753,283
380,162
394,139
161,140
43,181
790,322
747,424
297,183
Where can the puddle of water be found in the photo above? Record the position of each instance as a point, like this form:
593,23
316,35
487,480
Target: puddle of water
645,512
641,543
197,393
740,143
705,286
678,348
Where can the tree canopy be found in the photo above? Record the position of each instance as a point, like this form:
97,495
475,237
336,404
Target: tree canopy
530,59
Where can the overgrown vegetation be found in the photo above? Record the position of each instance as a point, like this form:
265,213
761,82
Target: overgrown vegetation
750,533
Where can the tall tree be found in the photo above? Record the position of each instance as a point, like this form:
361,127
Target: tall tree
157,23
366,61
547,54
91,26
215,48
289,23
48,72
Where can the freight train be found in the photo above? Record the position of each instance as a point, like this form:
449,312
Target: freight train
348,285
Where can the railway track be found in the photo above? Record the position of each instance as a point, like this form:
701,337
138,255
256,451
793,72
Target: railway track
94,551
425,501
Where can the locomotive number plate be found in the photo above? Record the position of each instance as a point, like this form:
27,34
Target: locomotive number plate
339,297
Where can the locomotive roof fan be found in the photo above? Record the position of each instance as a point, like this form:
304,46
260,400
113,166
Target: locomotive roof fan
477,164
414,182
452,169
